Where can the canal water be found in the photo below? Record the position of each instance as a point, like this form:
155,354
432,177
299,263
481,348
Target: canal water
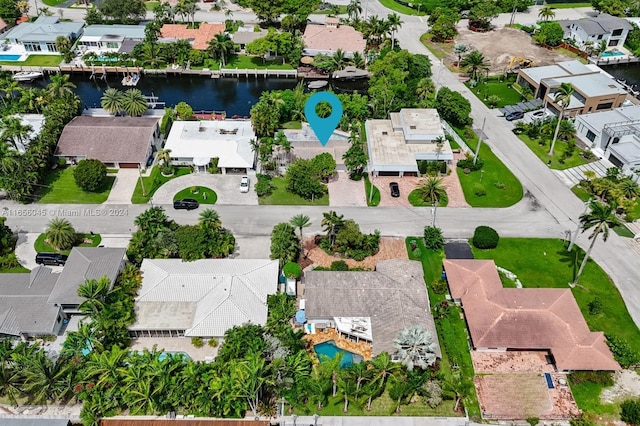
630,73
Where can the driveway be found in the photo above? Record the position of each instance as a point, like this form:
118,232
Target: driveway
25,252
123,187
406,184
346,192
226,186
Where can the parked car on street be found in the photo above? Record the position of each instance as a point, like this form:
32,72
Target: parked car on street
395,189
55,259
516,115
244,184
186,204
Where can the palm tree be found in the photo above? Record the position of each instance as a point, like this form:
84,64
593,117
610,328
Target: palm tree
300,221
457,387
9,160
331,223
546,13
354,9
415,347
14,132
357,60
134,103
562,98
567,130
425,89
94,292
382,368
60,233
112,101
338,59
284,244
460,50
209,219
150,55
152,220
475,63
394,23
59,86
629,188
220,47
601,218
432,190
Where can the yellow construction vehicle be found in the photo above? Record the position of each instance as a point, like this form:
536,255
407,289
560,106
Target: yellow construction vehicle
518,62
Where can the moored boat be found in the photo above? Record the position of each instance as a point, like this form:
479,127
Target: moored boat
27,75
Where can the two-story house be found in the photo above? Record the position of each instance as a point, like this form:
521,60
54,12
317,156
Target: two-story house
610,29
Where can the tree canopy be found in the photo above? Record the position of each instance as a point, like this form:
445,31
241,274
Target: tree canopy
453,107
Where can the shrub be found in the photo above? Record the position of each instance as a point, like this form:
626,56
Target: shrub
433,238
292,270
467,163
339,265
603,378
197,342
439,286
533,421
499,185
630,412
622,352
264,186
581,421
595,306
213,343
485,237
479,189
90,174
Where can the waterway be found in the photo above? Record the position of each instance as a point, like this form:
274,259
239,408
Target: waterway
630,73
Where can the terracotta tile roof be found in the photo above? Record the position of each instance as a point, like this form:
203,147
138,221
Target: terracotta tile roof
200,36
332,38
535,318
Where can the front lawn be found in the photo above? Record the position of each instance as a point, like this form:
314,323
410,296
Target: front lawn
342,10
372,199
202,195
502,188
557,161
53,3
496,86
154,181
42,247
281,197
400,8
253,62
36,61
150,5
568,5
293,125
416,200
59,187
439,50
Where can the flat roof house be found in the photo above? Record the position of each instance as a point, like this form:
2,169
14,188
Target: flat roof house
593,90
541,319
40,35
330,37
198,142
395,145
594,30
388,299
120,142
198,37
111,38
614,135
203,298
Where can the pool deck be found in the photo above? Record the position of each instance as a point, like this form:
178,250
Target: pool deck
361,348
175,344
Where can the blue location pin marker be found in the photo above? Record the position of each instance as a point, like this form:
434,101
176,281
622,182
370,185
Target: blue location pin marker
323,127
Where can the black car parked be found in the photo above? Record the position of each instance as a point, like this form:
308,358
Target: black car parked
516,115
395,189
51,259
186,204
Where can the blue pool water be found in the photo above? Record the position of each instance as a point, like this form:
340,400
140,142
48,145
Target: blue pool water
330,350
9,57
615,53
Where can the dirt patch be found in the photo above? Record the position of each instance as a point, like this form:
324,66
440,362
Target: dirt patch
510,362
499,46
627,385
390,248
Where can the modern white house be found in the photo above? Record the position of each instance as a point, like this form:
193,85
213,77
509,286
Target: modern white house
197,143
203,298
40,35
604,27
35,121
111,38
614,135
395,145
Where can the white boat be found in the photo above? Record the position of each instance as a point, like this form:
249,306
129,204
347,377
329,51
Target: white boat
27,75
319,84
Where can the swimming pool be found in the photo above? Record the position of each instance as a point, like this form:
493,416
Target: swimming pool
166,354
329,349
9,57
612,53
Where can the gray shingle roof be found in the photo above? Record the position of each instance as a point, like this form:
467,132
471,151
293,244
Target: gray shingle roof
244,37
601,24
44,29
85,263
394,296
33,421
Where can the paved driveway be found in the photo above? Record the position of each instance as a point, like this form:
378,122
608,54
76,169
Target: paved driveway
346,192
226,186
406,184
123,187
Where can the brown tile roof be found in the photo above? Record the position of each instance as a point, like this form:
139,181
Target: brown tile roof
331,38
516,318
108,139
200,36
141,421
3,24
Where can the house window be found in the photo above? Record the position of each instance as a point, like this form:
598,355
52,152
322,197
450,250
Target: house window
412,127
613,42
617,33
591,136
32,47
600,37
112,45
385,133
606,105
51,47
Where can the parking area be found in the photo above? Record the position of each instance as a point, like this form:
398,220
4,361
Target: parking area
346,192
406,184
227,187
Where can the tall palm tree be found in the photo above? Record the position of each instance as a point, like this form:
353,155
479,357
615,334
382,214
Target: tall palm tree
14,132
220,47
357,60
415,347
382,368
546,13
395,23
209,219
562,98
354,9
475,63
601,218
94,292
134,103
60,233
331,224
425,89
300,221
150,55
432,190
112,101
338,59
9,160
59,86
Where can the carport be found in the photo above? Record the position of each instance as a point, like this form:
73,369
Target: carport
522,106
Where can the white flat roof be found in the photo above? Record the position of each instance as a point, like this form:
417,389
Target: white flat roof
355,326
597,120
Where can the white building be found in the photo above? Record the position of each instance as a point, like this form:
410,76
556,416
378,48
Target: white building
610,29
111,38
197,143
614,135
35,122
395,145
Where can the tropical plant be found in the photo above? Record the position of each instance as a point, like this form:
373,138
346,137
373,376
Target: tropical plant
300,221
112,101
331,224
562,98
60,233
433,238
460,49
546,13
59,86
134,103
394,23
475,64
432,190
15,133
94,292
416,348
354,9
285,246
220,47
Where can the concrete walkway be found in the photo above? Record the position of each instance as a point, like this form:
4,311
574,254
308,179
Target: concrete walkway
227,187
25,252
123,187
571,177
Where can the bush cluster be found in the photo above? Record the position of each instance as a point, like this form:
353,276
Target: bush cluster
622,351
292,270
467,163
90,174
630,411
433,238
603,378
439,286
485,237
263,187
431,167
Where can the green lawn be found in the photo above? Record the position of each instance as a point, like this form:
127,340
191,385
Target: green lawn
439,50
623,231
342,10
281,197
568,5
150,5
375,197
494,176
581,193
587,396
37,61
401,8
416,200
52,3
42,247
252,62
294,125
452,330
203,195
502,89
154,181
60,188
542,153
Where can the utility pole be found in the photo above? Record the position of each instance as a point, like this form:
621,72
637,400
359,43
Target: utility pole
475,157
371,186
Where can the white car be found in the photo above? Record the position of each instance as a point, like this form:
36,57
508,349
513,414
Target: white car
244,184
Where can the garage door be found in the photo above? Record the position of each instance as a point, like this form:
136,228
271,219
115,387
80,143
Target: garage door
128,165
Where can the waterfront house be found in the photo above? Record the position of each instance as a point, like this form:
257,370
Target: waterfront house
330,37
246,35
203,298
111,38
40,35
119,142
614,135
594,30
540,319
395,145
593,89
198,37
197,143
305,144
382,302
35,121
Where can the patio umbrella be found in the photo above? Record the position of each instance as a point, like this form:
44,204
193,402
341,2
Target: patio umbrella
306,60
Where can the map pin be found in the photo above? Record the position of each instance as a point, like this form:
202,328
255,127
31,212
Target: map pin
323,127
